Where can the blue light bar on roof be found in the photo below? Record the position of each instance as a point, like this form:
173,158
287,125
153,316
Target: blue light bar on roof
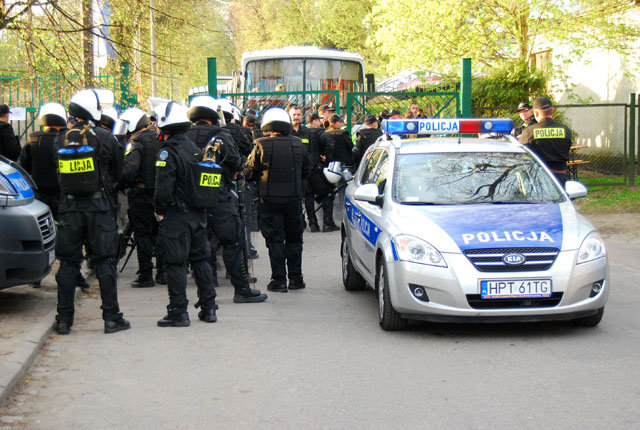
447,126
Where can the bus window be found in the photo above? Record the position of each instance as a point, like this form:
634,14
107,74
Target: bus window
266,75
322,75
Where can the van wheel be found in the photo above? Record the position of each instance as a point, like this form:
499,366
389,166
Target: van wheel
351,279
388,318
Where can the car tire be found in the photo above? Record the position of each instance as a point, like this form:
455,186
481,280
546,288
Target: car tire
388,318
590,321
351,279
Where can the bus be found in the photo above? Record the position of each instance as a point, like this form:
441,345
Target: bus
294,69
302,68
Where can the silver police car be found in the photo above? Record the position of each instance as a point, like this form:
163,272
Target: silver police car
468,229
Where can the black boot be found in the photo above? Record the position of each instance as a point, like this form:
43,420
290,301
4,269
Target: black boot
277,286
314,228
82,283
297,283
249,296
208,314
63,327
175,320
144,280
116,325
161,277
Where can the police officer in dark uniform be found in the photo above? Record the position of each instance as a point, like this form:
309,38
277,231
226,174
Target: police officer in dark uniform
224,220
88,172
365,137
338,148
302,132
243,144
548,138
183,226
280,165
527,117
39,154
139,176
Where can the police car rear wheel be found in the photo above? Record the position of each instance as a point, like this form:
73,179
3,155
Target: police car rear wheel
350,277
590,321
388,318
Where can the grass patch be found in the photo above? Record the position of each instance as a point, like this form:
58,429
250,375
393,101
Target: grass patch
610,200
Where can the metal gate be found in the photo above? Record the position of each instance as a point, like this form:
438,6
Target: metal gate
32,92
431,104
308,101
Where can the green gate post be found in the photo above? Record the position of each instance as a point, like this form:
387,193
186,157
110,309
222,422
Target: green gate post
632,139
212,77
465,88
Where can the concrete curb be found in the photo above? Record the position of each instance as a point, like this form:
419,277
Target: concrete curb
16,364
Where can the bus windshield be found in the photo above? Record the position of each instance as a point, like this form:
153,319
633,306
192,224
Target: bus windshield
310,74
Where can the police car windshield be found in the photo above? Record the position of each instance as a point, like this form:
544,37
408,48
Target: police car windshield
472,177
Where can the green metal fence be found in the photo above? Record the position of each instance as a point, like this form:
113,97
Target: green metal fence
32,92
309,101
431,104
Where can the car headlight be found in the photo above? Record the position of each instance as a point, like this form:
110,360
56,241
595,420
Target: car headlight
591,249
5,186
411,248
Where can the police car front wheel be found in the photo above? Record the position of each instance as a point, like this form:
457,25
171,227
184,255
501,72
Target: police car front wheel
388,318
590,321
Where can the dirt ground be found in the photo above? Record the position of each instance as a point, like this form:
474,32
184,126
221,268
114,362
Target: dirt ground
617,224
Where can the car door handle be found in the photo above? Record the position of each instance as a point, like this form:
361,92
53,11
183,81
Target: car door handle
358,215
347,204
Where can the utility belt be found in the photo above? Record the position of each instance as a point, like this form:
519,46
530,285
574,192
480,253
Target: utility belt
97,195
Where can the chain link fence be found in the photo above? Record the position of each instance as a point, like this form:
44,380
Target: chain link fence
599,132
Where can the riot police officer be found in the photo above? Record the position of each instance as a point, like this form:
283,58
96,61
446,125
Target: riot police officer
243,144
280,165
181,199
88,172
39,154
139,176
548,138
224,220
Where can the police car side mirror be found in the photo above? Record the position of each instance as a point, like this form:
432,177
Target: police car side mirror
368,193
346,175
575,189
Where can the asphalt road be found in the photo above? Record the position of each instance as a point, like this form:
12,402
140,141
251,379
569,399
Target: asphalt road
316,358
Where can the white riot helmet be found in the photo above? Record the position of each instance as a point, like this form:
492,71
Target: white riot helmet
135,119
333,172
85,104
53,114
109,117
203,107
172,117
237,115
227,109
276,119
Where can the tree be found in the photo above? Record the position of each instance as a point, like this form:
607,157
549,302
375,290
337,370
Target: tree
271,24
435,34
